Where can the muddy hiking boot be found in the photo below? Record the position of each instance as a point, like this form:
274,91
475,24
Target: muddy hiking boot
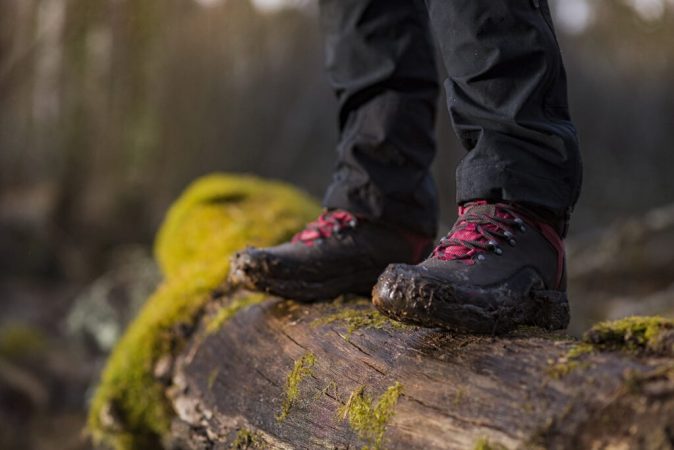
498,268
335,254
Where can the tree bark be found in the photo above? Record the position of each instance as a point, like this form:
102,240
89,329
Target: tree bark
230,385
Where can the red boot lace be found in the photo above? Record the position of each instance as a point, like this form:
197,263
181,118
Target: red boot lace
328,224
479,229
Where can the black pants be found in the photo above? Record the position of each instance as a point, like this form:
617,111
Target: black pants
506,94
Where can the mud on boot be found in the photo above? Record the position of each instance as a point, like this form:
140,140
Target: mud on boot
498,268
336,254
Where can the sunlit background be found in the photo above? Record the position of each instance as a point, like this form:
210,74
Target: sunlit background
109,108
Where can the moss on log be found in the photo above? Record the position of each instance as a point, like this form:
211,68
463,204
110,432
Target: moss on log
211,366
387,387
216,216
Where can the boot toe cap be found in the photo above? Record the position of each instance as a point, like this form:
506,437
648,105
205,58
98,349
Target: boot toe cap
389,295
249,264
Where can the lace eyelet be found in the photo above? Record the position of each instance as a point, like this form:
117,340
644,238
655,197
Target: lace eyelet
481,257
520,224
498,251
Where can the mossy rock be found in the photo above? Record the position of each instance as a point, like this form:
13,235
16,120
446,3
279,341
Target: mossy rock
216,216
219,214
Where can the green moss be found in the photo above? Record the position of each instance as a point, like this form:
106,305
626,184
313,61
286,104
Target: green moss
369,420
212,376
570,361
216,216
301,369
635,334
458,396
228,311
246,439
579,350
220,214
484,444
358,318
20,341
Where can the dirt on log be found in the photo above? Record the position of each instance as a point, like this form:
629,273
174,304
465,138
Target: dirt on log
269,373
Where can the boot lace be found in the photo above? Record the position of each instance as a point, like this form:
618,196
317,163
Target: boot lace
328,224
478,230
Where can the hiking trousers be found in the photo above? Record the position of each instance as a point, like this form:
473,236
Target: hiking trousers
506,95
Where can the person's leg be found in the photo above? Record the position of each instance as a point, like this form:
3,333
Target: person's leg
380,62
381,205
506,95
502,264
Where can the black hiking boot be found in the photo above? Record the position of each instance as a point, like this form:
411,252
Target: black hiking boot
336,254
498,268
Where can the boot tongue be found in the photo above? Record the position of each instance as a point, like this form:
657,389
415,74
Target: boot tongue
480,207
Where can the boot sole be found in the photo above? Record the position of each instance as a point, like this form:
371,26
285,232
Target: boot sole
410,297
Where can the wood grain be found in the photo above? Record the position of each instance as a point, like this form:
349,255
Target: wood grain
457,390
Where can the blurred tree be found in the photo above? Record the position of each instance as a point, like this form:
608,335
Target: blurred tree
111,107
622,98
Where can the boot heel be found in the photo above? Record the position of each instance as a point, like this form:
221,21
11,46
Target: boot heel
552,309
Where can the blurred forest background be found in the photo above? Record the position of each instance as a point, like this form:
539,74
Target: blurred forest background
109,108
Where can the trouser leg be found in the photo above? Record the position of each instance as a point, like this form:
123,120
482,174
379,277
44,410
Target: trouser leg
506,94
380,62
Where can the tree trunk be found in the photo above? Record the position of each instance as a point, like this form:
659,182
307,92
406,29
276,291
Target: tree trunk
267,373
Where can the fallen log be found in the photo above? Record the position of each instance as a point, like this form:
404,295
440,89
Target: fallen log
210,366
281,375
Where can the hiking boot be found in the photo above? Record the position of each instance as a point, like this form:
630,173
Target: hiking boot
499,267
336,254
